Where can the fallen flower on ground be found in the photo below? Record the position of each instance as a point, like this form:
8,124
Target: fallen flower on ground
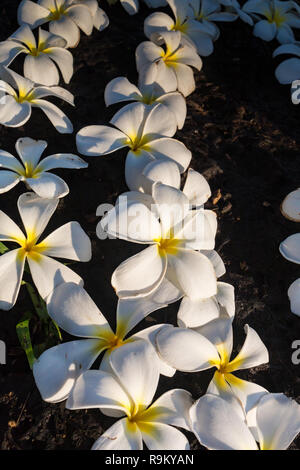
128,393
74,311
173,63
35,173
19,95
69,242
145,131
218,426
42,57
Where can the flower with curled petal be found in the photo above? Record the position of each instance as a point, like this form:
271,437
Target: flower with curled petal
35,173
65,17
19,95
218,425
127,393
74,311
146,131
42,57
68,241
173,62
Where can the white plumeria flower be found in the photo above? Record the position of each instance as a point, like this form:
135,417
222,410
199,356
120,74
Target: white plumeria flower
294,296
35,173
120,89
173,63
193,350
69,241
290,248
74,311
19,95
65,18
100,18
290,206
279,19
128,393
289,70
174,233
41,58
194,32
218,426
147,134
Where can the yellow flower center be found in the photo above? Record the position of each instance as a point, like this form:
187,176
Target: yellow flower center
167,246
57,13
29,171
30,247
137,143
276,16
182,27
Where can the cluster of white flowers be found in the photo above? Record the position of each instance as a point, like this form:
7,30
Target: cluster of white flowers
178,262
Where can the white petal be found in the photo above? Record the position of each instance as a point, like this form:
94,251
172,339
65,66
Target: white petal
57,369
219,332
139,275
160,121
74,311
216,261
31,13
218,427
290,207
69,241
59,120
9,231
97,389
185,349
9,50
195,313
62,160
167,148
49,186
278,421
120,436
30,150
134,166
157,22
226,297
101,20
294,296
176,103
132,221
64,61
172,206
81,15
40,69
290,248
253,352
11,273
35,212
265,30
172,408
12,113
249,393
48,273
131,119
10,162
120,89
159,436
196,188
99,140
42,91
199,230
24,35
166,172
66,28
149,334
8,180
131,6
135,365
185,79
193,273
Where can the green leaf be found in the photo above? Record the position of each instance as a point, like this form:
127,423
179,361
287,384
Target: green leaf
23,333
3,248
38,303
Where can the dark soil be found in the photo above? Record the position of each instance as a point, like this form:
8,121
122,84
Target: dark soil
243,131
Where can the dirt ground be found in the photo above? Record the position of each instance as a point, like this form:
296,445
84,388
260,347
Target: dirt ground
243,132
